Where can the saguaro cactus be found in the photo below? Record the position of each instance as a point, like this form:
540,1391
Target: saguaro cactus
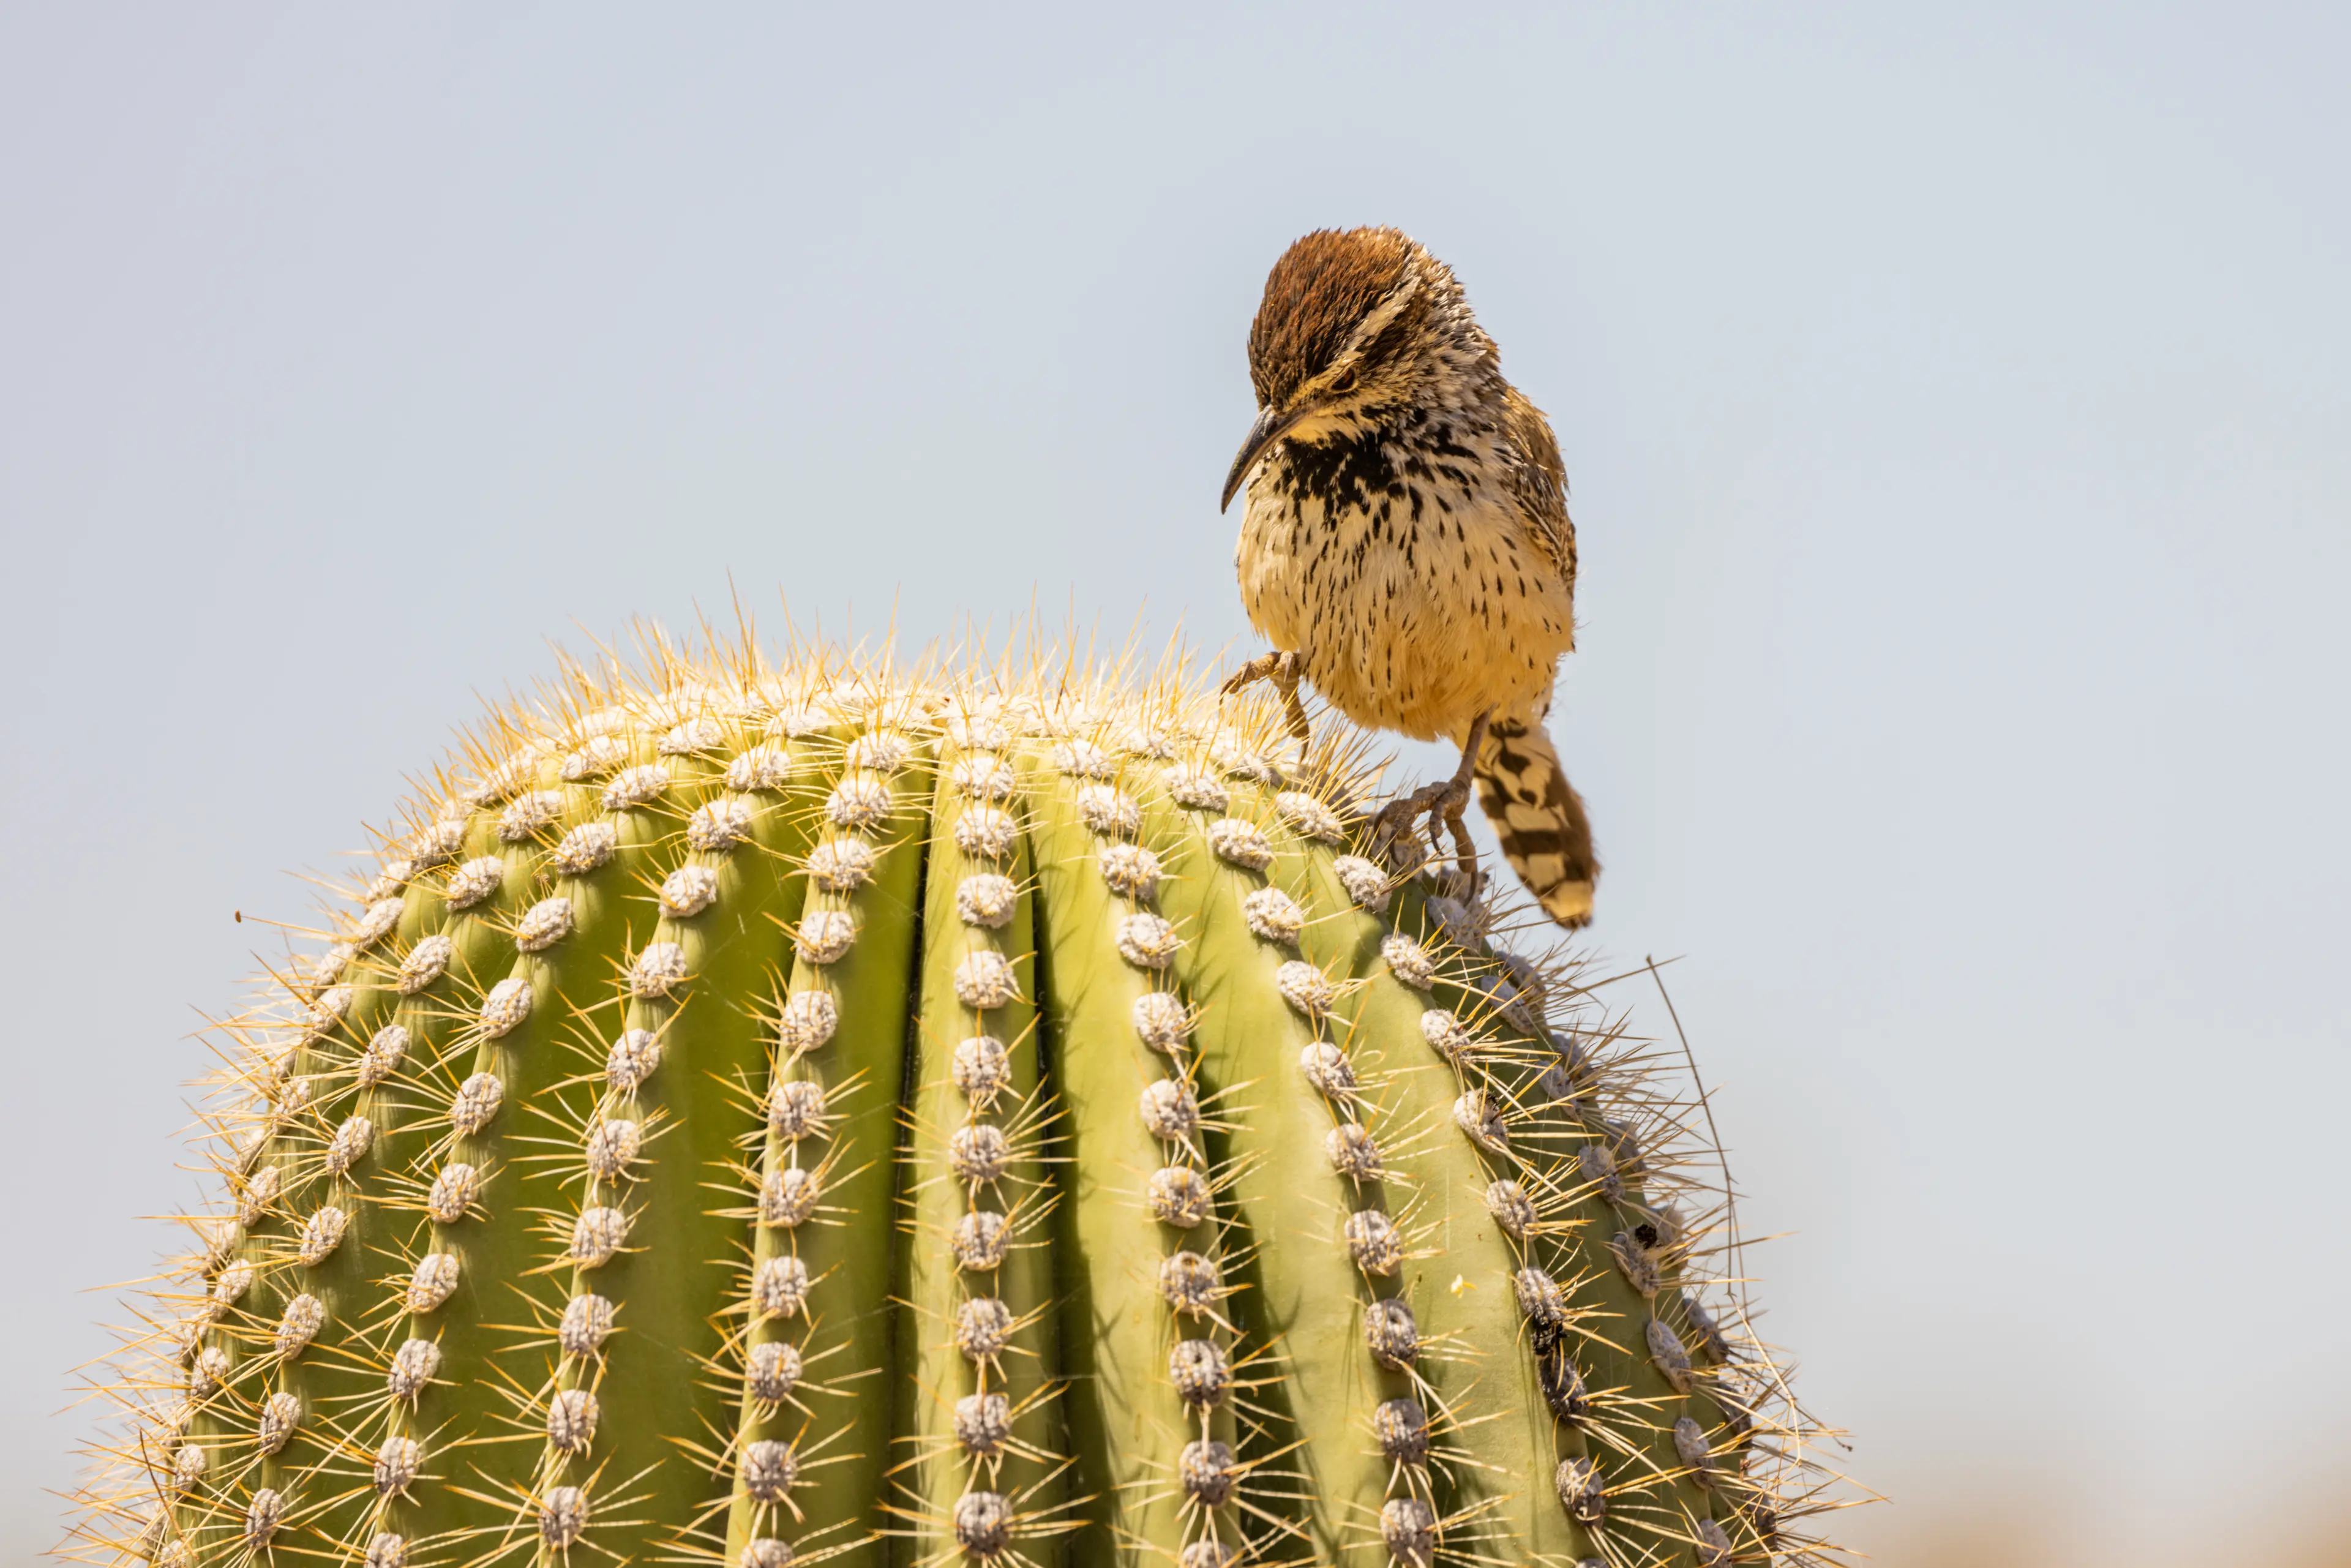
761,1113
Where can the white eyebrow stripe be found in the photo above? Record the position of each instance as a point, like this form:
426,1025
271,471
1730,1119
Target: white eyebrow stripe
1386,311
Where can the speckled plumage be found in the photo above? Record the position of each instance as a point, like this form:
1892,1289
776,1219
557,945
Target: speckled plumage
1406,532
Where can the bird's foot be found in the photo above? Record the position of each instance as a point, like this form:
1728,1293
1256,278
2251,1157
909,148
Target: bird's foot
1395,830
1282,669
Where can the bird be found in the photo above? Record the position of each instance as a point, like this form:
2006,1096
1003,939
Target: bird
1406,545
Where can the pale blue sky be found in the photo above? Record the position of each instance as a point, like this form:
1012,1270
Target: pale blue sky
1956,403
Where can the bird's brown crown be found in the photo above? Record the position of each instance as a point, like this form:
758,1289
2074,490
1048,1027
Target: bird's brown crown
1317,296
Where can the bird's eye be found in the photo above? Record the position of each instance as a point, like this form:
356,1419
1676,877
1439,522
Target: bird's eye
1345,382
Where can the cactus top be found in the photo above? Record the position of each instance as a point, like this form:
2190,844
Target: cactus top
754,1112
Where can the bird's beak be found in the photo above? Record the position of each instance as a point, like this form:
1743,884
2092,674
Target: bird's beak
1271,427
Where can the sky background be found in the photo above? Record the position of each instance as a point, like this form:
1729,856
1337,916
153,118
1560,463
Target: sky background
1955,399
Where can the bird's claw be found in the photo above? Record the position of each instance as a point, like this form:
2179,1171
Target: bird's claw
1282,669
1395,836
1395,830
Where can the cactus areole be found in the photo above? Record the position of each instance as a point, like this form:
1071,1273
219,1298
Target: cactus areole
767,1112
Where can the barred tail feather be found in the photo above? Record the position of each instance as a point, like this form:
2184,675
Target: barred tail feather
1539,818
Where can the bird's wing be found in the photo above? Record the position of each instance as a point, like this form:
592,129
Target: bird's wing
1540,480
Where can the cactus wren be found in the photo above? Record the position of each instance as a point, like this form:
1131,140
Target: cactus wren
1406,545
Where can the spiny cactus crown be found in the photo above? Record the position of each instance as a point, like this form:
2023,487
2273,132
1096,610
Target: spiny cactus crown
759,1114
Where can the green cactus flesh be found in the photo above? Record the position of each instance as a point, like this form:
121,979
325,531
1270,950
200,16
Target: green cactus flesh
771,1114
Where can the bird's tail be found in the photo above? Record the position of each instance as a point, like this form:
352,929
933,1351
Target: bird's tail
1539,818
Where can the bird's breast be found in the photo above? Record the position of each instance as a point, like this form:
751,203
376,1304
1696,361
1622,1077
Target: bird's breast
1416,593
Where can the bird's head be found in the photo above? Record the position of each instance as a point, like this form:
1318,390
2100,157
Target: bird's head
1356,325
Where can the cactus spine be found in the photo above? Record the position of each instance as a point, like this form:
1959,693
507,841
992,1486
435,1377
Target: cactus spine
764,1114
